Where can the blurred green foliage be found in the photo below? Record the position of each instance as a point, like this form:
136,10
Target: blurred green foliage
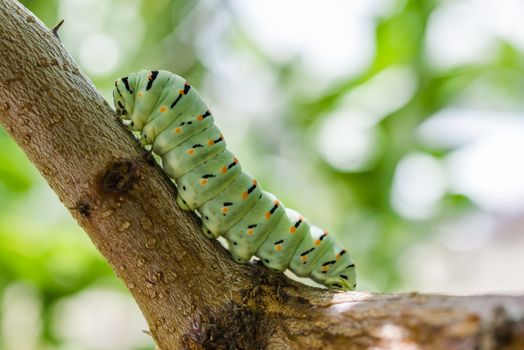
41,246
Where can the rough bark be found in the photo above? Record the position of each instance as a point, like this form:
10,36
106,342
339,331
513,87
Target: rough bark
191,293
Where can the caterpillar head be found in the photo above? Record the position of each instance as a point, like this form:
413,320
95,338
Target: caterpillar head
124,100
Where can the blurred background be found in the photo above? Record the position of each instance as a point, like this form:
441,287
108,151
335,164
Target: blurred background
397,125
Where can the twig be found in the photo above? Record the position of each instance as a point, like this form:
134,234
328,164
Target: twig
56,28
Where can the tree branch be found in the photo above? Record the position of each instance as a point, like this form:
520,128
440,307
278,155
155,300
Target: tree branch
190,291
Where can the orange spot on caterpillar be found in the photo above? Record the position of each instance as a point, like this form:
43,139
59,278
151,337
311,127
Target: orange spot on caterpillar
225,210
250,231
278,247
268,215
181,91
210,142
191,151
292,229
254,182
325,268
140,94
304,258
199,117
163,109
276,202
244,195
203,182
235,160
223,170
178,130
318,241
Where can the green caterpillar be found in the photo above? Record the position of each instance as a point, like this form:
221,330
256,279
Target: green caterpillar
172,117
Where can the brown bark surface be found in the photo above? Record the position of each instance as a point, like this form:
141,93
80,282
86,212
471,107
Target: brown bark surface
190,291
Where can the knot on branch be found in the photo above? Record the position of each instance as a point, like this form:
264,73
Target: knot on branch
119,176
232,327
254,320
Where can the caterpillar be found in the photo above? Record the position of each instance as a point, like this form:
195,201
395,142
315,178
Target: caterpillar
174,121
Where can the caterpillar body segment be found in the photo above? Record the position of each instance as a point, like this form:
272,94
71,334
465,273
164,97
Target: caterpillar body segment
277,249
250,232
227,208
213,177
185,127
171,117
193,152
